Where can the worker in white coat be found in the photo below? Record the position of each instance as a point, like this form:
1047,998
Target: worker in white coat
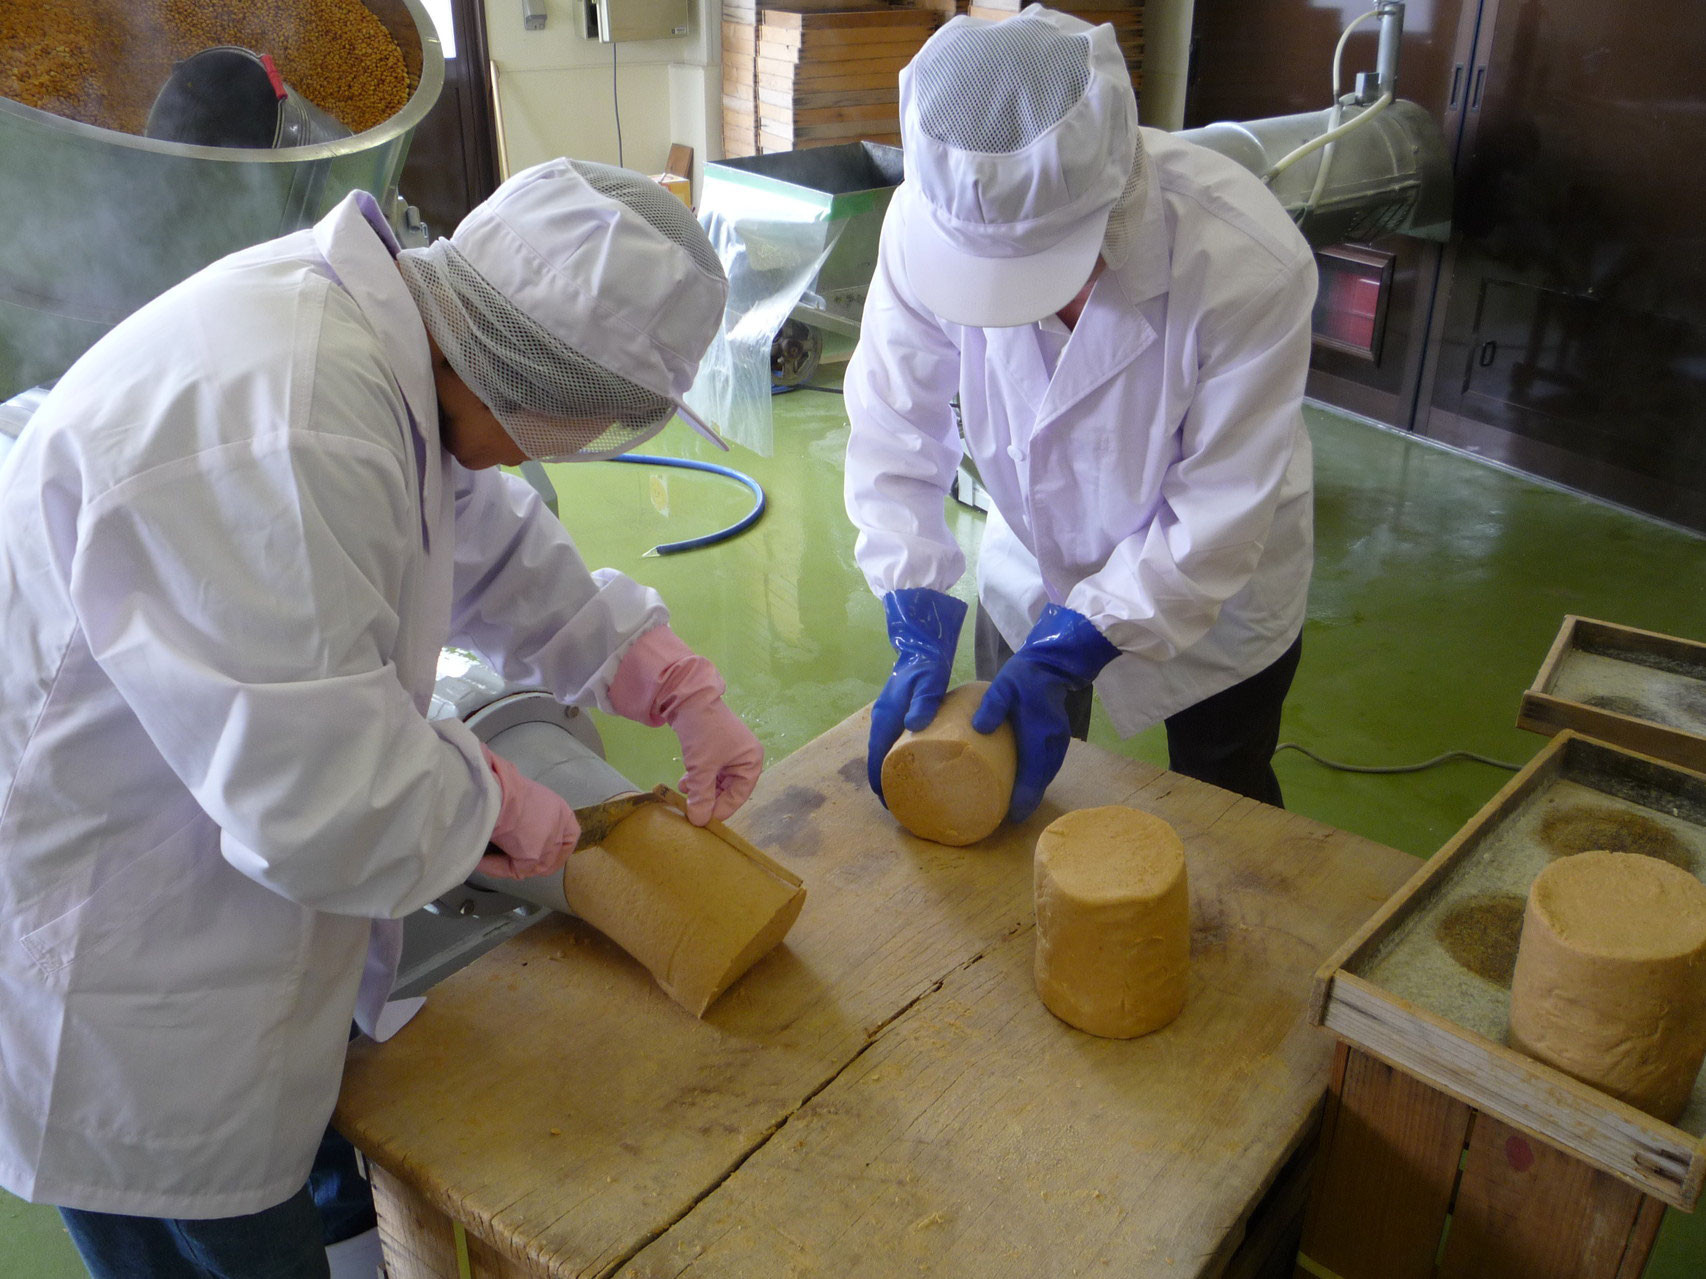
1125,320
233,541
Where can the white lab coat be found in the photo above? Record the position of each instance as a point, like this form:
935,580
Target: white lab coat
231,548
1152,473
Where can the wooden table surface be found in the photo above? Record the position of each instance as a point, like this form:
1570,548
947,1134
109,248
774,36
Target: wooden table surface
884,1094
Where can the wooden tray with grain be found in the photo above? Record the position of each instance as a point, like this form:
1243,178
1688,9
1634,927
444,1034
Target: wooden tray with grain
1637,689
1425,985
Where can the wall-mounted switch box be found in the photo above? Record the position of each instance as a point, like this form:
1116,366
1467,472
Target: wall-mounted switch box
533,15
614,20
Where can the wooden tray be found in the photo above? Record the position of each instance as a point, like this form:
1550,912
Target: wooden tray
1636,689
1425,985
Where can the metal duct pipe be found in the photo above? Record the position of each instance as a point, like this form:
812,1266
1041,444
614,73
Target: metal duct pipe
1391,175
1386,53
98,222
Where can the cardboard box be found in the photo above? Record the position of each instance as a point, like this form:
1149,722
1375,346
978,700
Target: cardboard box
677,175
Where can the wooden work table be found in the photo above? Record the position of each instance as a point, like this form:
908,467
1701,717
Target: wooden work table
884,1094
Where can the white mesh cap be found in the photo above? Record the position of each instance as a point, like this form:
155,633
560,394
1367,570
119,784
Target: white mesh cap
576,302
1019,137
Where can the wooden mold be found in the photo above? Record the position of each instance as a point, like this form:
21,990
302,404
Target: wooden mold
1637,689
1425,985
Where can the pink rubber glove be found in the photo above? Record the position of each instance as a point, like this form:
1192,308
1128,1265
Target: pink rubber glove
662,681
536,827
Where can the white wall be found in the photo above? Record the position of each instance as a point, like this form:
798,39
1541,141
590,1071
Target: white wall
555,93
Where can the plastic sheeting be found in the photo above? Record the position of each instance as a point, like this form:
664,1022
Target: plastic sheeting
772,255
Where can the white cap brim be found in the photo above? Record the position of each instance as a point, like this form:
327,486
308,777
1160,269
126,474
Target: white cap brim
994,292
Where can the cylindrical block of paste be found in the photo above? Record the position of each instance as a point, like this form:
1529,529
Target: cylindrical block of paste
696,906
1113,921
1610,982
948,782
694,909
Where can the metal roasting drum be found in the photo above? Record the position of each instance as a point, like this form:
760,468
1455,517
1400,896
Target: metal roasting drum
1374,164
98,222
1390,176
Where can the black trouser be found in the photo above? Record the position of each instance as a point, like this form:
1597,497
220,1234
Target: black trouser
1227,740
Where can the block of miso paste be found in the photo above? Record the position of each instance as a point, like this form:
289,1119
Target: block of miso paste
697,906
1610,982
948,782
1113,921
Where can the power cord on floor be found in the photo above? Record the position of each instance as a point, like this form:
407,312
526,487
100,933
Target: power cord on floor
1396,768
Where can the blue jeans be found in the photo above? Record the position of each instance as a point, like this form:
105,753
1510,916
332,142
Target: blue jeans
287,1241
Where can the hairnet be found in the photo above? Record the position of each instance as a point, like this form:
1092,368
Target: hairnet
576,302
1127,213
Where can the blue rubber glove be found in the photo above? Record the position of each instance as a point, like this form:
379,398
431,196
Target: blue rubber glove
1064,652
924,627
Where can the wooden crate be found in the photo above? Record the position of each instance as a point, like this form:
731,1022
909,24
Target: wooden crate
1411,1183
740,83
1425,984
814,75
1125,16
812,72
1637,689
1444,1153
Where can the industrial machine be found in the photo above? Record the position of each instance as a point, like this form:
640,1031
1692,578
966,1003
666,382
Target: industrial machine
98,222
843,191
557,746
1372,164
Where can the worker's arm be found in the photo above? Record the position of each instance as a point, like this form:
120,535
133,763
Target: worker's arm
1161,589
902,453
525,601
244,601
903,449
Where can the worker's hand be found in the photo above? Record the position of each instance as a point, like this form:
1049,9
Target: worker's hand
1064,652
536,828
924,627
662,681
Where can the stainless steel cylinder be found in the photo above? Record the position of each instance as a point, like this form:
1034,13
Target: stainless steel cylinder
1389,175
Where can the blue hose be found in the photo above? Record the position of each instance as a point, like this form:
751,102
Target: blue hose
710,539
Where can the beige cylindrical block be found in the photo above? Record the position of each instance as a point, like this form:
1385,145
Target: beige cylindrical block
694,908
1610,983
1113,921
948,782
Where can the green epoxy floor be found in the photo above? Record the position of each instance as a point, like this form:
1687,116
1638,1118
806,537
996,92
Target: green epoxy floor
1440,583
